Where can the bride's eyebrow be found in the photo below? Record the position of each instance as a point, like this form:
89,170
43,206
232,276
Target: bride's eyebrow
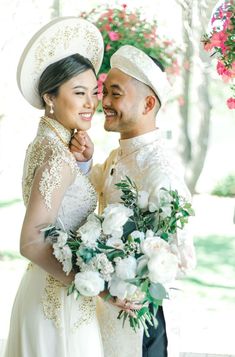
83,87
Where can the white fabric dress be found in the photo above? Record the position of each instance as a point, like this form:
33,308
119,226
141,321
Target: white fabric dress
45,322
146,160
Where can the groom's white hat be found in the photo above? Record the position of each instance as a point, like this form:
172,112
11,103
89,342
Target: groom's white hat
60,38
140,66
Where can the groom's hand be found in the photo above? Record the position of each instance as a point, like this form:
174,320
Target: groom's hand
81,146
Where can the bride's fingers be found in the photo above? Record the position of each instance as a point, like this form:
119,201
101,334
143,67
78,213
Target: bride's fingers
77,148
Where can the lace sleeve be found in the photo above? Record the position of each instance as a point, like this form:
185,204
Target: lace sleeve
49,185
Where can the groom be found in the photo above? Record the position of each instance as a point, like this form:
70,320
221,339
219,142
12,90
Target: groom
135,89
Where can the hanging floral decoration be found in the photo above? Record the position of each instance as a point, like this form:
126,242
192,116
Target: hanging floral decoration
220,42
121,26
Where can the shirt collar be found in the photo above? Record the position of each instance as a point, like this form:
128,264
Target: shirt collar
128,146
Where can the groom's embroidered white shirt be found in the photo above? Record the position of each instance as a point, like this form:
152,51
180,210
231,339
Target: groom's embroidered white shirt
147,161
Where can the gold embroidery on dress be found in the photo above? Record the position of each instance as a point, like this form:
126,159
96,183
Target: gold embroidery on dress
51,300
87,311
47,148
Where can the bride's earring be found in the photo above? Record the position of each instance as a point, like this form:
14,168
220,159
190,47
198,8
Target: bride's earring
51,109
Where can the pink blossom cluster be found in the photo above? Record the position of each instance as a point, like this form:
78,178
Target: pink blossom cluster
221,42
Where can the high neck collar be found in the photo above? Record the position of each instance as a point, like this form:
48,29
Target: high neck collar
57,129
133,144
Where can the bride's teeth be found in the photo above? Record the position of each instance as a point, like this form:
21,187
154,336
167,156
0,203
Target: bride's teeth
86,115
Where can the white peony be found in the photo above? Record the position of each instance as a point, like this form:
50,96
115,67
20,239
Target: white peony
90,231
152,244
126,268
116,243
89,283
163,266
143,200
121,289
115,216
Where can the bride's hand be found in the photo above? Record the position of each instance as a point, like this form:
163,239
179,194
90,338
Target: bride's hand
81,146
125,305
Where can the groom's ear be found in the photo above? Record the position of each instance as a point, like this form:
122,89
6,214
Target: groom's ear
150,103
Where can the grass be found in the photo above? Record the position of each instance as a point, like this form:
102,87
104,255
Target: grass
4,204
214,278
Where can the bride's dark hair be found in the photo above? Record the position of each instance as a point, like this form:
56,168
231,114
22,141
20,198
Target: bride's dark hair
60,72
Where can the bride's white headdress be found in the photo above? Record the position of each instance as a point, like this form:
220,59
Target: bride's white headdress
62,37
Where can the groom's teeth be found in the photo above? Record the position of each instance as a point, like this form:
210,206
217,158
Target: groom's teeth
109,114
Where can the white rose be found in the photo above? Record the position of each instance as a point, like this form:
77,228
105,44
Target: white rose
143,200
89,283
137,234
126,268
163,267
115,216
121,289
115,243
90,231
151,245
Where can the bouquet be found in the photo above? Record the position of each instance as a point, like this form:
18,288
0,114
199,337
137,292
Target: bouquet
221,42
129,250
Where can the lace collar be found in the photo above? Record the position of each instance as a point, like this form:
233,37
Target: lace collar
128,146
56,129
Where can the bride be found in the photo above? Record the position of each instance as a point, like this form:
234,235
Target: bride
57,72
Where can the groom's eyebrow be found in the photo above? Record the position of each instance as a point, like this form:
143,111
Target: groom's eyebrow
116,86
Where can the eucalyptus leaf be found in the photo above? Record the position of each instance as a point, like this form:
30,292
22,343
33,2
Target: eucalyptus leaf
158,291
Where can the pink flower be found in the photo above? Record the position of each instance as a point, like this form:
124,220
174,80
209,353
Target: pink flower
174,68
226,73
186,65
100,81
102,77
221,69
108,47
231,103
218,39
181,101
107,27
114,36
124,6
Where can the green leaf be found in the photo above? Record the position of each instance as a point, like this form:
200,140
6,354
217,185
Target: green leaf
142,311
158,291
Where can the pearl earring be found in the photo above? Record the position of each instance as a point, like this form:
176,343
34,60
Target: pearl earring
51,109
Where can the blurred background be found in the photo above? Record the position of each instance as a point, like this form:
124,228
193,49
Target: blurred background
196,122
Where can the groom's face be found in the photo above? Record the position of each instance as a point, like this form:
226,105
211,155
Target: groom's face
122,103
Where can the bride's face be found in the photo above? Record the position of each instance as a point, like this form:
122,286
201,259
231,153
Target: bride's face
76,101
